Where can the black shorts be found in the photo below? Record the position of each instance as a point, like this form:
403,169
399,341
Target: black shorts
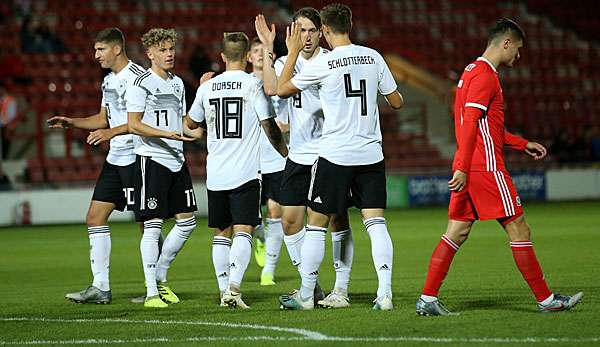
331,184
234,206
270,187
295,183
160,192
115,185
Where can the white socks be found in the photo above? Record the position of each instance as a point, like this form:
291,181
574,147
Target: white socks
239,257
382,252
343,253
293,243
273,241
221,247
100,255
149,250
172,245
313,251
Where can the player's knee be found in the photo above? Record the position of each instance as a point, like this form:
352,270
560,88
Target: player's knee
94,218
518,230
340,222
290,226
186,225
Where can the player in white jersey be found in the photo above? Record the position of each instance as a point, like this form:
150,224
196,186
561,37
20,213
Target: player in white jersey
163,185
114,187
271,168
234,107
304,114
350,149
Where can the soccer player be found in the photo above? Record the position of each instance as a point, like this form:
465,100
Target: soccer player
304,113
234,107
163,185
481,187
271,167
114,187
350,150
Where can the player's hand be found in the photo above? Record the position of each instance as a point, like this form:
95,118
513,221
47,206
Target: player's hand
60,122
177,136
206,76
458,181
535,150
98,136
293,38
266,36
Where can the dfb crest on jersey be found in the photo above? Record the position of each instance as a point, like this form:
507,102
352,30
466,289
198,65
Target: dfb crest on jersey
152,203
177,90
518,200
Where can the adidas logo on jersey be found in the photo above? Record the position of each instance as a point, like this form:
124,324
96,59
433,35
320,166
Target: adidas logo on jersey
152,203
318,200
157,90
384,267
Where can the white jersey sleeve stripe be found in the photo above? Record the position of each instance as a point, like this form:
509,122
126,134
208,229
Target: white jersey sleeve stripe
476,105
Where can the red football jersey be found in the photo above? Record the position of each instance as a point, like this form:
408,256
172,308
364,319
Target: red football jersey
479,87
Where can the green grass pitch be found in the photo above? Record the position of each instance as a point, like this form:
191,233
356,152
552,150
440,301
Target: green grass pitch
38,265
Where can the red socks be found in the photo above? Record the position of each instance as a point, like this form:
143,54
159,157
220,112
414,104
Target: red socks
439,264
530,268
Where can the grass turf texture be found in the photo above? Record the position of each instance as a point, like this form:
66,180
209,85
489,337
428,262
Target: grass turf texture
41,264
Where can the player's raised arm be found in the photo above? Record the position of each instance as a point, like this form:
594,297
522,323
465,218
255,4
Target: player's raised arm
294,43
93,122
267,38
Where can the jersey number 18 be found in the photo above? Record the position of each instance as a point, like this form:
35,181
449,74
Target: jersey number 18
228,120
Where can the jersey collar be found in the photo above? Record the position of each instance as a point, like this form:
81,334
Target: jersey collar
489,63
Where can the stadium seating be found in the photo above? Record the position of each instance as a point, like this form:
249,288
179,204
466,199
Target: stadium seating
556,82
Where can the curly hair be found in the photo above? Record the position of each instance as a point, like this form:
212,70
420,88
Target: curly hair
157,35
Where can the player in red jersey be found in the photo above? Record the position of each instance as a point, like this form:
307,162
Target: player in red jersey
481,187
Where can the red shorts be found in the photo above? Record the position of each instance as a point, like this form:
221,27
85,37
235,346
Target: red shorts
488,195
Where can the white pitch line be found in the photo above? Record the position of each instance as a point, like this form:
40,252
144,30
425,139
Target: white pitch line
306,335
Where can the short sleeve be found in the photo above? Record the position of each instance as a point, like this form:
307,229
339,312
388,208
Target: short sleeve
312,73
262,107
103,102
135,98
480,91
196,112
278,66
387,84
281,109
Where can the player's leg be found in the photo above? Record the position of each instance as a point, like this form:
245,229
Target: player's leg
461,215
152,183
273,241
370,196
182,204
292,221
221,247
109,194
343,254
244,202
260,246
524,255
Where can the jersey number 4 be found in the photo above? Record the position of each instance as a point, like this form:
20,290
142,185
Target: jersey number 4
228,120
361,92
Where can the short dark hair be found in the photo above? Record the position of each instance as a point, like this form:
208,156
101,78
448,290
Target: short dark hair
503,26
111,35
235,46
309,13
338,17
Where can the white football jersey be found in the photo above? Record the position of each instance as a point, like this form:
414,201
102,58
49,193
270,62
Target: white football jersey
304,114
232,104
348,79
270,160
114,87
163,104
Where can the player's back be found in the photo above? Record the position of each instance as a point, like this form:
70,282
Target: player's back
479,87
232,104
350,78
114,87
